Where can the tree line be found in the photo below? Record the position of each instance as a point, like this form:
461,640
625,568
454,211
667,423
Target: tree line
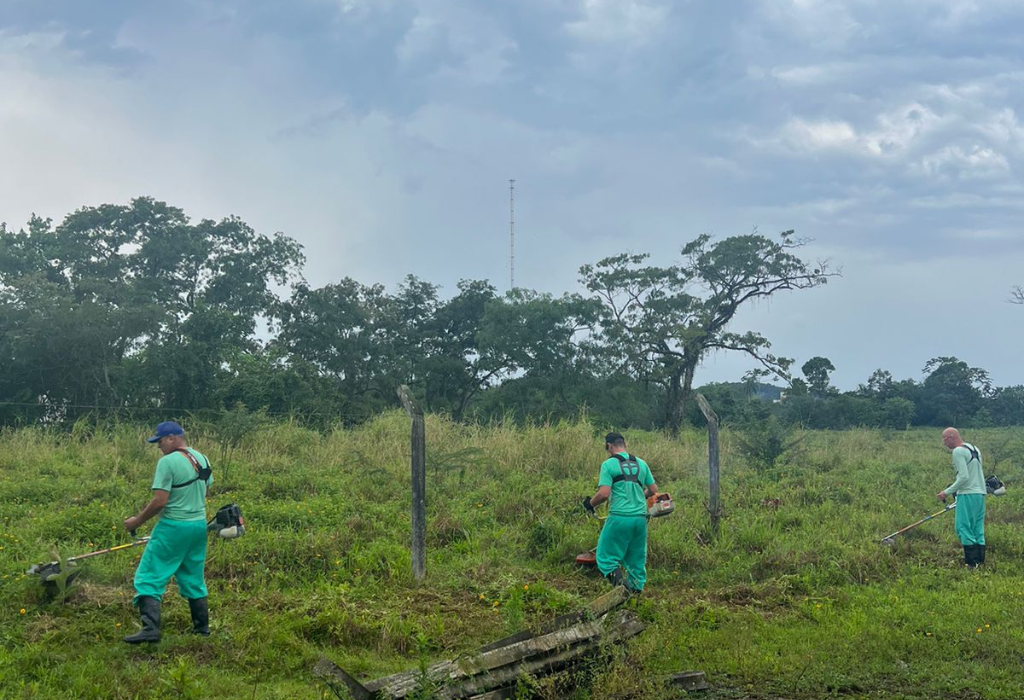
951,393
138,308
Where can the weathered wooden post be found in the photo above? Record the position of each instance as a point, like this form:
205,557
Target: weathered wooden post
419,484
714,504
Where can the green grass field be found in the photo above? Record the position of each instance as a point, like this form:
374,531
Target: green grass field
798,601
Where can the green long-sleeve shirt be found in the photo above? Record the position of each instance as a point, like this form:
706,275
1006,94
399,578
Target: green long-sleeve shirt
969,475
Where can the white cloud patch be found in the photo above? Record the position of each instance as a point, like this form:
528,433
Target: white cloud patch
898,129
977,162
928,143
457,43
629,22
811,136
966,201
424,36
813,74
13,47
821,23
982,235
1004,129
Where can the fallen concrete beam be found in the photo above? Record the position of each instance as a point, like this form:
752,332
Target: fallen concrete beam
594,609
334,676
689,681
492,672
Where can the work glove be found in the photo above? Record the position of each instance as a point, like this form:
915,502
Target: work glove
587,506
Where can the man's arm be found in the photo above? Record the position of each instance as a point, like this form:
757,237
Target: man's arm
960,464
152,508
602,495
650,489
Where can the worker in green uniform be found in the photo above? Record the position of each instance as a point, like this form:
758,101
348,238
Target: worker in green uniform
177,545
969,490
627,481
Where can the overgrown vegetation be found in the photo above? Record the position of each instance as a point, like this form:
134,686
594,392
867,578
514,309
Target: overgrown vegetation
796,598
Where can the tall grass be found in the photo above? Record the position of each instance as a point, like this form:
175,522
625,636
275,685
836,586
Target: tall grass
796,598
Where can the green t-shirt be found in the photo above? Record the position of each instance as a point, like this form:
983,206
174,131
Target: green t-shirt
627,498
187,502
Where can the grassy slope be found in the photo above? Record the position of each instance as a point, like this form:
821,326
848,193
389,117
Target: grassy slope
800,601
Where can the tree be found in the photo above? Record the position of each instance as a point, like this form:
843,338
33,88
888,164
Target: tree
1006,406
797,387
456,367
880,385
1017,295
659,323
134,303
817,370
540,334
552,371
66,322
897,413
952,393
266,380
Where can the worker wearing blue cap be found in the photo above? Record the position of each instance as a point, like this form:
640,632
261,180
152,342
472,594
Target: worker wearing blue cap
177,545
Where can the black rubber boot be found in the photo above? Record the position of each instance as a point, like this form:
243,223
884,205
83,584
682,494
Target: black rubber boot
630,585
149,611
200,616
615,577
980,553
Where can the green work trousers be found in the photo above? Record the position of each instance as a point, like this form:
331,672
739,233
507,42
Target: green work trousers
176,548
623,542
970,518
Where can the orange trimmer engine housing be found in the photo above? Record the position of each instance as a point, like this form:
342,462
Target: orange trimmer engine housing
659,505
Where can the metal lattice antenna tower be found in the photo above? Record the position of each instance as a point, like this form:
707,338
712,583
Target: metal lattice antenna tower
512,233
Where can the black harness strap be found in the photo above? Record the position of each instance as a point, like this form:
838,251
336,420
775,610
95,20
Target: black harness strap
202,473
633,475
975,455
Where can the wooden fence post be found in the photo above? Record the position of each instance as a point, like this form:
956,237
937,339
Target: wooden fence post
714,504
419,484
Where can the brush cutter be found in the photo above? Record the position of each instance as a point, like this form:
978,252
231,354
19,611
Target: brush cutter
227,523
993,485
888,541
49,573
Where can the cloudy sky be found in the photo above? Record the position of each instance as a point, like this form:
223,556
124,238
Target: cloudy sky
381,134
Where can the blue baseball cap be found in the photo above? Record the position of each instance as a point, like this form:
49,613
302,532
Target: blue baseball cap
166,428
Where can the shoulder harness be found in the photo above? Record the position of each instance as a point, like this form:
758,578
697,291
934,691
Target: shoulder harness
629,471
975,455
202,473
